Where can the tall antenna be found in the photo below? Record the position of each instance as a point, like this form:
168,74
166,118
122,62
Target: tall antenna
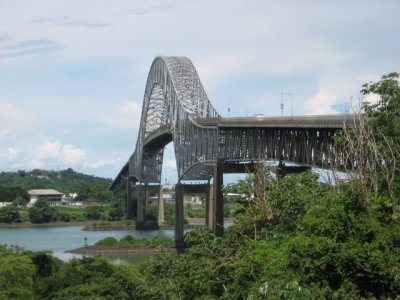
288,96
291,105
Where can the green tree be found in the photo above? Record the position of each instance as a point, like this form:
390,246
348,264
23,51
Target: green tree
9,214
41,212
16,277
93,212
384,121
116,212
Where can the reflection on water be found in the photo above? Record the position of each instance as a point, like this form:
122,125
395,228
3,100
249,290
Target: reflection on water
59,239
127,259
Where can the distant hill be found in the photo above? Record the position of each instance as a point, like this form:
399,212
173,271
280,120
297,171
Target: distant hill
66,181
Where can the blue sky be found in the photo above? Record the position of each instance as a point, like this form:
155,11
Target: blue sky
72,73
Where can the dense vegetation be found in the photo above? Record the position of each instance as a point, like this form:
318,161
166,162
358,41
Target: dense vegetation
293,238
14,187
131,242
301,241
66,181
42,212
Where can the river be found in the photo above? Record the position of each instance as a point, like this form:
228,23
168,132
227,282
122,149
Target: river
59,239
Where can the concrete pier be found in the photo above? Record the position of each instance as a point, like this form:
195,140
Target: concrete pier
179,216
218,201
160,218
129,198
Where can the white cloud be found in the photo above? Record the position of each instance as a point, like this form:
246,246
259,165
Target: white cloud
371,98
71,156
50,149
4,132
320,103
11,153
65,154
127,115
28,164
12,115
100,163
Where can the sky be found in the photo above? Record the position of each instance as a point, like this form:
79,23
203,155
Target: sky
73,73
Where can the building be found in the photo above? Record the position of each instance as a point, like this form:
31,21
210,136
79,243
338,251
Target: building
52,196
4,204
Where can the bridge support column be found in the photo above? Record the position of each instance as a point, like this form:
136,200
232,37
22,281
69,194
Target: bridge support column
129,198
208,201
161,206
179,217
218,205
139,217
146,199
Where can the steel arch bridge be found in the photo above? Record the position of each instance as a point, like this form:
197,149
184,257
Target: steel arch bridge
174,98
176,108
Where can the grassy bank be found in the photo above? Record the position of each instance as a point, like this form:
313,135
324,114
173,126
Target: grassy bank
131,242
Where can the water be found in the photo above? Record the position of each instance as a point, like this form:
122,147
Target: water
59,239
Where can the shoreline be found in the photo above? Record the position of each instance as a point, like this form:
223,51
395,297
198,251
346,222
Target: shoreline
50,224
87,225
90,250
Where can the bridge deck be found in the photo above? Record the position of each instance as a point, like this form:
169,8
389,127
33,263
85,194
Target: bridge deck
317,121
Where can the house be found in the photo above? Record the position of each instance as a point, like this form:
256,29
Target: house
3,204
52,196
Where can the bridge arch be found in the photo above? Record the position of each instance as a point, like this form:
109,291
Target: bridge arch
174,98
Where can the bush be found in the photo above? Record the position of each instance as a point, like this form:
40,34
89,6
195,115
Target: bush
61,216
93,212
9,214
41,212
108,241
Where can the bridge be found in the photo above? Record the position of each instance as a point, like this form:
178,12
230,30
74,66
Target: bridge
176,109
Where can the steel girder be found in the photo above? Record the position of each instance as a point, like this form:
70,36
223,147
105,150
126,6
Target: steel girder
174,98
305,146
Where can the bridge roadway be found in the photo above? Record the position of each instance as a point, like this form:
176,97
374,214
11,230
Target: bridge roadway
176,109
310,121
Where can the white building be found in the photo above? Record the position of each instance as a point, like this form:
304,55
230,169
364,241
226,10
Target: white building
52,196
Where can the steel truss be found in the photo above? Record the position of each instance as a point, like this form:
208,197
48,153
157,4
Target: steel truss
174,98
305,146
176,108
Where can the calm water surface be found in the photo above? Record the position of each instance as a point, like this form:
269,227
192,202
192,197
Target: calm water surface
60,239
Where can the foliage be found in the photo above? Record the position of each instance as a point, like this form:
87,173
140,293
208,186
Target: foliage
384,121
116,212
129,241
73,213
41,212
16,275
93,212
371,149
195,211
108,241
9,214
66,181
10,194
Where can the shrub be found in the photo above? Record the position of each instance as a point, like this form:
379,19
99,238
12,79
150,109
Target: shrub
41,212
9,214
108,241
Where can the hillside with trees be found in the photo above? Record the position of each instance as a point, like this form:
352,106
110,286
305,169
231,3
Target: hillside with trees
13,184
